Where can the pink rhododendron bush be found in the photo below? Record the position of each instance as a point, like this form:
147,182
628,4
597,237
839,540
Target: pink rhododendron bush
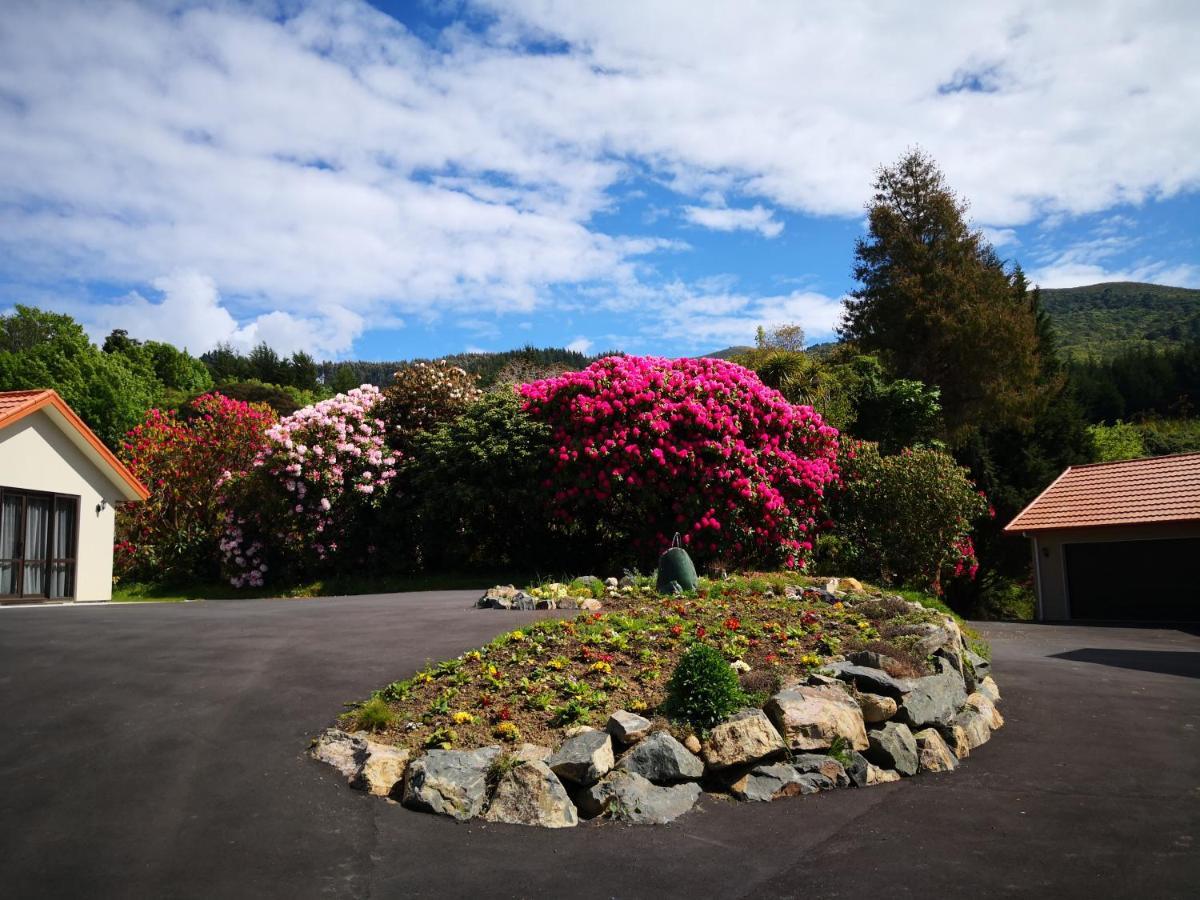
180,457
306,503
643,447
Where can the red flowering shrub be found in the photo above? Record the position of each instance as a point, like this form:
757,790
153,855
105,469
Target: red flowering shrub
905,518
307,501
644,447
174,534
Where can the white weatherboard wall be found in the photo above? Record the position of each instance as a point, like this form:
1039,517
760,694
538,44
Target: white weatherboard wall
36,455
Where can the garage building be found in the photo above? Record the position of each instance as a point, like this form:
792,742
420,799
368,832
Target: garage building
1118,541
59,486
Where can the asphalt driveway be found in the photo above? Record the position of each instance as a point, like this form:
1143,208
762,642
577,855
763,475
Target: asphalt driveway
159,751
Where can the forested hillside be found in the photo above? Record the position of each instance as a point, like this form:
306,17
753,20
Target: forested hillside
1103,320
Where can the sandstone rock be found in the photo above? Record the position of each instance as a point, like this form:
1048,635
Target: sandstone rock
382,772
530,794
577,729
853,584
661,759
765,783
893,747
876,775
583,759
591,604
857,770
832,585
344,752
532,753
450,782
740,666
975,727
932,701
626,727
875,708
874,681
498,597
826,766
989,689
745,738
986,708
811,718
626,797
692,743
932,753
956,739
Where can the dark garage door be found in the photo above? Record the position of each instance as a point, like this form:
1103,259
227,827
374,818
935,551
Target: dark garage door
1154,580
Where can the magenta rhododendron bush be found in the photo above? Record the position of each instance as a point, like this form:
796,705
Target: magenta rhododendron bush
305,502
180,458
644,447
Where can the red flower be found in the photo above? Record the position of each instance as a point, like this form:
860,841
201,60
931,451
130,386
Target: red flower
676,630
733,623
701,631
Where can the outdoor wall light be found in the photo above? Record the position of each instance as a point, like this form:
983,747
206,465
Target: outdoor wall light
101,506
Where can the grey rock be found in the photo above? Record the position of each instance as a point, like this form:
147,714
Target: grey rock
813,717
525,601
871,659
498,597
765,783
989,689
826,766
532,753
545,603
661,759
865,678
982,667
858,769
628,581
743,739
933,700
945,636
530,794
583,759
627,797
626,727
589,580
611,583
893,747
449,782
343,751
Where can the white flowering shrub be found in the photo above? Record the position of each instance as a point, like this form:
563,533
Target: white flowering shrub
307,500
423,395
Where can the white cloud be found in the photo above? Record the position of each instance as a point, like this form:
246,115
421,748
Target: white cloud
720,218
1107,256
329,169
580,345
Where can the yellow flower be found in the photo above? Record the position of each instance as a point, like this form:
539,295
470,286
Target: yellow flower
810,659
506,731
423,678
463,718
600,666
638,706
473,656
516,636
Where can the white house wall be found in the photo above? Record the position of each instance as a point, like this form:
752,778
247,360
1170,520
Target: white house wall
36,455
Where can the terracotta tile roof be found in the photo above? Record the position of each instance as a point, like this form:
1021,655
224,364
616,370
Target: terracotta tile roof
16,405
1133,491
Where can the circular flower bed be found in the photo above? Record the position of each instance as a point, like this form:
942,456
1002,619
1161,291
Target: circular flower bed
620,713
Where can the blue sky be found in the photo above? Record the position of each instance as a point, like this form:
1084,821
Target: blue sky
412,179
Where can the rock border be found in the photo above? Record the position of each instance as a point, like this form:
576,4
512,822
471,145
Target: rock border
849,724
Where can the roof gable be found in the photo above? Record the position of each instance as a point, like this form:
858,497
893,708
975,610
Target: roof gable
16,405
1129,492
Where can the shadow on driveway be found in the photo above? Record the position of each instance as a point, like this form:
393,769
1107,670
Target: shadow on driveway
1166,662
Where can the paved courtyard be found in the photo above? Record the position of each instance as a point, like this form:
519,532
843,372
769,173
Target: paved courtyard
158,750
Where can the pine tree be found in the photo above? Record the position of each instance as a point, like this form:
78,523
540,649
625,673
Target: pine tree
937,304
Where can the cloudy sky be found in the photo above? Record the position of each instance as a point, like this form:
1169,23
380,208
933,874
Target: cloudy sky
409,179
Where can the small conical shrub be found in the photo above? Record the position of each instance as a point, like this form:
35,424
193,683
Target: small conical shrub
704,689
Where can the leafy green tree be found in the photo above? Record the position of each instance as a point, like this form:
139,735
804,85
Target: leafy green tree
41,349
175,369
1117,441
302,371
225,364
936,303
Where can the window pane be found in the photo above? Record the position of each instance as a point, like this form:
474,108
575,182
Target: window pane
10,526
37,523
8,577
35,579
64,529
62,579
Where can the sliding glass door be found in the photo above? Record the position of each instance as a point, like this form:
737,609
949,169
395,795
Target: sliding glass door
39,539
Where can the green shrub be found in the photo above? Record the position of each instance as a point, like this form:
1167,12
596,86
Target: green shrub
1117,441
704,688
373,715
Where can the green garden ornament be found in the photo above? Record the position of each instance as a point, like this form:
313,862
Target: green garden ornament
675,567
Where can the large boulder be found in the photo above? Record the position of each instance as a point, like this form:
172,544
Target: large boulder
857,769
865,678
765,783
450,782
818,764
661,759
627,728
345,752
876,708
932,753
743,739
628,797
812,718
986,708
499,597
382,772
876,775
583,759
982,667
955,737
933,700
893,747
976,728
945,637
530,794
532,753
989,689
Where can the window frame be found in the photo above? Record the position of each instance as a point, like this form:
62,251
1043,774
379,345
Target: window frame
49,559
